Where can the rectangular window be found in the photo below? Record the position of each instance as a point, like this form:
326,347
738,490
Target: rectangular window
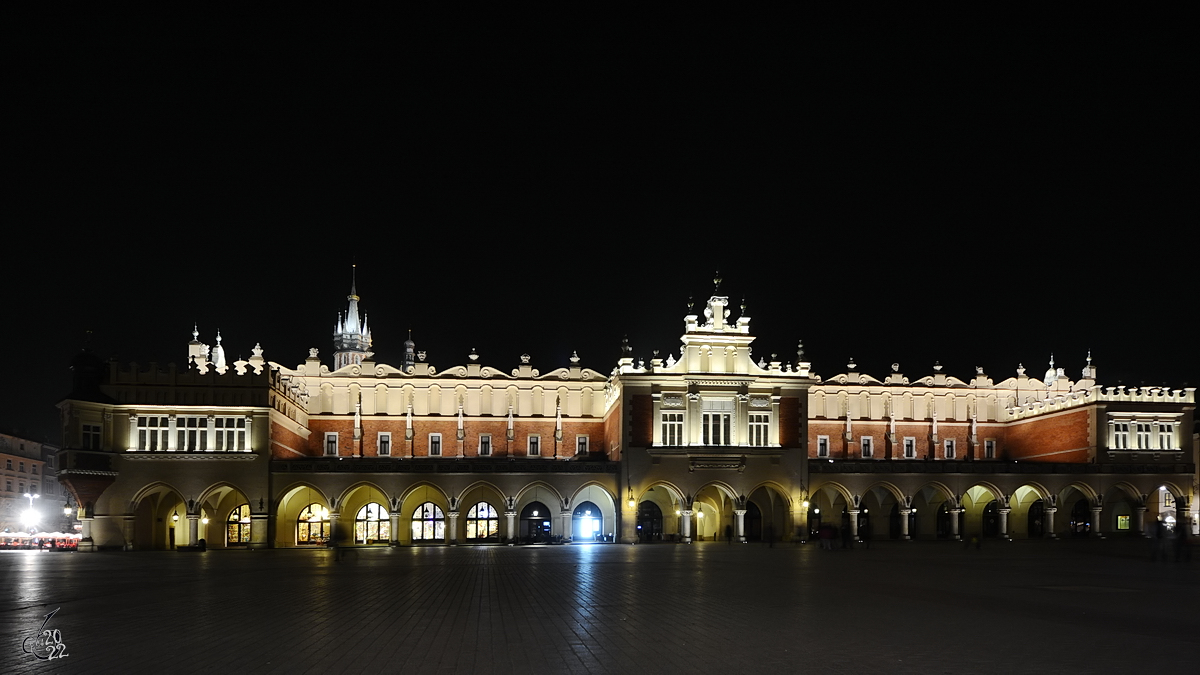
868,447
581,445
8,485
191,434
331,443
717,422
1122,522
535,446
485,445
435,445
91,437
672,429
1121,436
21,489
152,433
8,464
822,446
22,469
385,443
33,469
910,448
989,449
948,448
1166,436
1143,436
231,434
760,423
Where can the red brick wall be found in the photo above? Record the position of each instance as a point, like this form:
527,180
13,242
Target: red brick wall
789,422
642,424
595,430
1066,436
282,439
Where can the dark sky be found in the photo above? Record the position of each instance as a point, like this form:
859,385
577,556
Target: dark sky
888,192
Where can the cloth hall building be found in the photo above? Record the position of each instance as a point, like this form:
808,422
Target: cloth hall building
710,444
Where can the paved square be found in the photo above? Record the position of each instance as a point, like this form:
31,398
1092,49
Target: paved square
925,607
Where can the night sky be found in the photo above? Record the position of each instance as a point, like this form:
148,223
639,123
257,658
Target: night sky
883,191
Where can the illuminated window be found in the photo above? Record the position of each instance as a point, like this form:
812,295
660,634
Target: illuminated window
910,447
231,434
822,446
312,527
237,528
485,445
331,443
949,447
581,445
717,421
1168,499
1166,436
1121,436
760,423
482,522
535,445
371,525
385,443
989,449
1122,522
435,445
91,437
868,447
672,428
191,434
1143,436
152,433
428,523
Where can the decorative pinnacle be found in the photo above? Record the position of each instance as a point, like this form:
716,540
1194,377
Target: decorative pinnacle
717,283
800,350
1089,358
691,303
196,334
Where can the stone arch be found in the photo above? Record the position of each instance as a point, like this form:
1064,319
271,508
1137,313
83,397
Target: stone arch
154,526
714,505
879,511
671,489
471,496
530,490
768,512
531,523
291,502
215,504
1027,518
929,521
411,499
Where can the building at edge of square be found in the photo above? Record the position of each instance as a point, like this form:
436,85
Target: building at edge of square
712,444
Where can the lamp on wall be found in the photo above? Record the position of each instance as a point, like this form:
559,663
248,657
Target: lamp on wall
175,516
632,502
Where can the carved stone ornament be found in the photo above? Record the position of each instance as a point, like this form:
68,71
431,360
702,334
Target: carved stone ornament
760,402
525,358
672,401
312,352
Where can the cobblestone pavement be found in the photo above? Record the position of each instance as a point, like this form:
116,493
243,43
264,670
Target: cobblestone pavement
926,607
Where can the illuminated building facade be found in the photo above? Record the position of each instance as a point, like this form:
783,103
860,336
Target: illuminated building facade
712,444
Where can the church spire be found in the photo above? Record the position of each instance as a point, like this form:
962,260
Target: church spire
351,337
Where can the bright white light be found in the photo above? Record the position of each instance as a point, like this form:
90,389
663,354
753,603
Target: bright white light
30,518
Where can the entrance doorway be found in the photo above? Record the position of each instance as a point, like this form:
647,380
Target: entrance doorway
535,524
649,522
587,523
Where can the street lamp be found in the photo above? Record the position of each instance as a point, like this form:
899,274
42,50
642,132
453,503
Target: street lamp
31,516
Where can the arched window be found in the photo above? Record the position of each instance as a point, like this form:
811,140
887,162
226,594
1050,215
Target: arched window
482,522
428,523
371,525
312,527
237,528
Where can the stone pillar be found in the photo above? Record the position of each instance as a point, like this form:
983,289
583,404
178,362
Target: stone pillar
394,536
1004,522
739,525
452,535
127,529
258,530
628,532
171,437
1096,522
511,516
85,542
133,432
1139,521
904,534
210,432
193,528
1048,512
566,524
249,446
685,525
854,524
954,533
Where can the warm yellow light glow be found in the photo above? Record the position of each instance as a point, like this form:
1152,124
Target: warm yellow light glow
204,520
699,514
804,503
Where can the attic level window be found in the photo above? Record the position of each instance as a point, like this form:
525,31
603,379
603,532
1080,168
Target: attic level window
1166,436
989,449
948,445
152,433
435,445
910,448
485,445
672,429
822,446
1143,436
581,445
385,443
717,422
760,423
1121,436
231,434
331,443
535,445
